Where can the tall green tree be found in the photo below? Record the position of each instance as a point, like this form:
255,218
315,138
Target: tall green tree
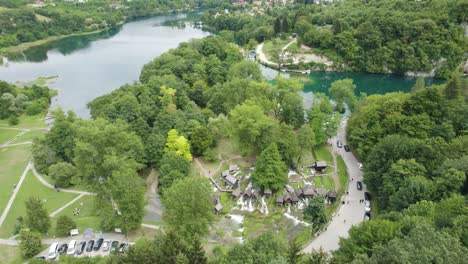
315,211
178,144
63,226
37,218
270,171
342,91
189,207
277,26
62,173
453,88
30,243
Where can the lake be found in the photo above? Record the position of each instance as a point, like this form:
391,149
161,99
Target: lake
92,65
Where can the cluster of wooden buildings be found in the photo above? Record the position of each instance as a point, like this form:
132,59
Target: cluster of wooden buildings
228,177
293,196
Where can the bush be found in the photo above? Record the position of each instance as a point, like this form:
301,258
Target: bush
62,173
30,243
13,120
34,108
64,225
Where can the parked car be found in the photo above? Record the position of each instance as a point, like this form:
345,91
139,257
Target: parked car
367,206
360,165
52,254
89,248
63,249
359,185
346,148
367,216
106,245
98,244
81,247
71,247
114,246
122,247
367,196
339,143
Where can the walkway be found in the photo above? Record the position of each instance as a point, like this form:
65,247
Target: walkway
348,214
15,192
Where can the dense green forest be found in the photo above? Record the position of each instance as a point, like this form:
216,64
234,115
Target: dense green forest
30,100
20,23
378,36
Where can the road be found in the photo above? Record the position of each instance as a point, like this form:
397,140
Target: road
348,214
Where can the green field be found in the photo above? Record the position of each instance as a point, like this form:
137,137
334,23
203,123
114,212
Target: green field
32,188
10,255
7,134
26,121
322,152
272,48
87,217
29,136
342,173
13,161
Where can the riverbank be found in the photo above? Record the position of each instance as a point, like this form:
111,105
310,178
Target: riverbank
27,45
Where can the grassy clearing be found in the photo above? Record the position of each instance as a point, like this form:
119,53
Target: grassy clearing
328,182
7,134
31,187
10,255
322,152
13,161
29,136
342,173
142,233
26,121
272,48
88,215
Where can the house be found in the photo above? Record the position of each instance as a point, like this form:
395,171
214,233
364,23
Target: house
230,180
320,166
267,192
248,193
255,194
218,208
237,193
308,191
225,173
299,193
233,168
279,200
287,199
331,196
294,198
289,188
216,199
321,191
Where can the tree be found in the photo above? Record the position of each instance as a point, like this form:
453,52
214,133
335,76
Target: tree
414,189
285,25
277,26
172,167
43,155
247,122
62,173
178,144
154,148
64,225
453,88
30,243
189,207
37,218
419,85
62,134
294,252
343,91
200,140
450,183
270,171
315,211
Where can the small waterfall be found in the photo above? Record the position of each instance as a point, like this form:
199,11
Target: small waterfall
295,219
264,206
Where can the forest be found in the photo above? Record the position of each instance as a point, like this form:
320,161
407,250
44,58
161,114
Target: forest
20,23
377,36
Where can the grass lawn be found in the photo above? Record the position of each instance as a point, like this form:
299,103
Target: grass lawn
26,121
13,161
87,217
317,181
322,152
272,48
10,255
342,173
328,182
7,134
29,136
32,187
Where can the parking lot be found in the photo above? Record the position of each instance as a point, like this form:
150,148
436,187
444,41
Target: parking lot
107,236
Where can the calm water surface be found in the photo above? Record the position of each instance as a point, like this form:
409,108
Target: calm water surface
92,65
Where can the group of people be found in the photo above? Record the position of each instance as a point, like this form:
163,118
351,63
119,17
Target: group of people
76,211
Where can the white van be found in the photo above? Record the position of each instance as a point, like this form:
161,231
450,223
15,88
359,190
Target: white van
71,247
52,251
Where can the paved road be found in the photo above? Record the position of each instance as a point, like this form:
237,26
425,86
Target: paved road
348,214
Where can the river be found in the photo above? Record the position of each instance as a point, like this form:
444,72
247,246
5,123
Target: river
92,65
